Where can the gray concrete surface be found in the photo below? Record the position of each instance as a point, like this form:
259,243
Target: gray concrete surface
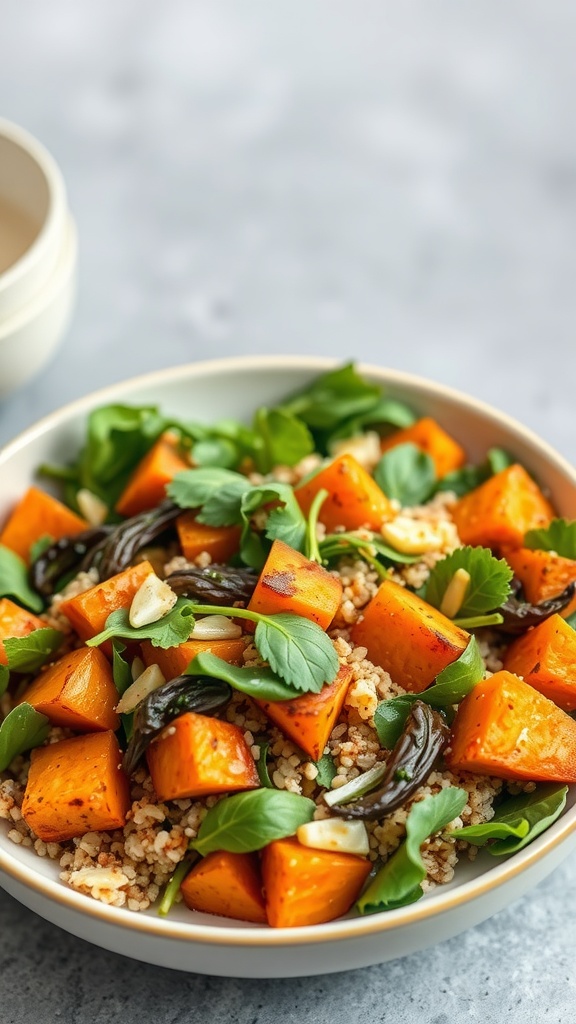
395,182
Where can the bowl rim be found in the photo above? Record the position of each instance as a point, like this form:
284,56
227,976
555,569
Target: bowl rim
440,901
44,242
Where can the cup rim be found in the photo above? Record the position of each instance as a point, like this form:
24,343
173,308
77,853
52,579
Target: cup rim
47,239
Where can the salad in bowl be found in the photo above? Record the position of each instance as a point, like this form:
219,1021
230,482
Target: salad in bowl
278,671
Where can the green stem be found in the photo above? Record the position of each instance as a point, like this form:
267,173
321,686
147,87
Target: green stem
312,547
239,613
173,884
477,621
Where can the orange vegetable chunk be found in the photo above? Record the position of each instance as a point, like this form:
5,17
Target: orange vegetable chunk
228,884
304,886
543,575
221,542
37,515
407,637
354,498
15,621
504,727
545,657
290,582
174,661
76,786
501,510
197,755
146,487
431,438
88,612
308,720
77,692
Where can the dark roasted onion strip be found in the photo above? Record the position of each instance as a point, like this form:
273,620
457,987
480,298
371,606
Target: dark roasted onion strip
65,556
129,537
519,615
217,584
423,739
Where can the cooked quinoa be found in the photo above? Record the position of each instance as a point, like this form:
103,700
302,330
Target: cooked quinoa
130,866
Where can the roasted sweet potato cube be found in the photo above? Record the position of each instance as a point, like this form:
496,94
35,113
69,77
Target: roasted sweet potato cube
77,692
38,515
408,637
545,657
76,786
504,727
304,886
173,661
88,611
15,621
221,542
228,884
146,487
309,719
290,582
499,512
198,755
354,498
431,438
543,575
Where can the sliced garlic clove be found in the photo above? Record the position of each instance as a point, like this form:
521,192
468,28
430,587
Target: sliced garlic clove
91,507
334,834
150,679
215,627
455,593
152,601
412,536
365,448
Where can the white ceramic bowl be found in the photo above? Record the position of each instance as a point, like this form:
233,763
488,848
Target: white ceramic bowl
37,257
201,943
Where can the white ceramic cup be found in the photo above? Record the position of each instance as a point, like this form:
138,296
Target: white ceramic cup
37,288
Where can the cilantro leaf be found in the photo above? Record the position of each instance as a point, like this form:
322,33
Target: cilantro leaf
246,822
489,584
285,521
22,729
215,491
558,536
169,631
14,580
28,653
517,821
298,650
398,883
283,439
407,474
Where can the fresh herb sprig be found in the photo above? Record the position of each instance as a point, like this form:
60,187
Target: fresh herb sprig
22,729
14,580
407,474
559,536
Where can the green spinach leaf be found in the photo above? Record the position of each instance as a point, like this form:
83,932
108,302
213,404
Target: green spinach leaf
407,474
22,729
387,412
258,682
333,397
283,439
451,686
14,580
517,821
246,822
326,771
298,650
398,883
29,653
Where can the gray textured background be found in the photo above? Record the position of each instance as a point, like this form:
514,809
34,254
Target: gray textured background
395,182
